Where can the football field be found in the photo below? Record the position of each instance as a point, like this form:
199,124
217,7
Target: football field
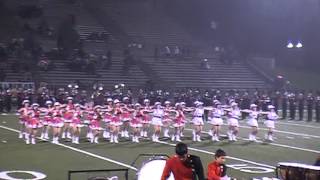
295,141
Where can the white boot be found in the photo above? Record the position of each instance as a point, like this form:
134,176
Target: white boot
172,137
27,141
198,138
122,134
68,135
141,133
33,141
76,140
20,135
111,138
137,139
116,139
194,137
126,134
210,132
104,135
42,136
178,138
153,137
270,138
193,132
145,134
234,137
181,134
213,138
230,135
63,135
250,137
166,133
217,137
92,139
46,135
96,140
133,138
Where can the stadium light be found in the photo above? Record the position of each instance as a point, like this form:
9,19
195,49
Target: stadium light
290,45
299,45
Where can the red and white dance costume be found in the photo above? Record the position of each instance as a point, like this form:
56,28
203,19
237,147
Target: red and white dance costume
272,116
216,121
107,118
116,122
233,121
146,119
156,121
125,117
67,118
183,106
57,122
90,113
135,122
178,123
166,120
46,120
23,117
95,125
253,122
197,120
76,124
33,123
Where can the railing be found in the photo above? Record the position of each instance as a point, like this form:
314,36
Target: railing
23,85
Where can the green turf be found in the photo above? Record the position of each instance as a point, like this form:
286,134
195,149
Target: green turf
55,161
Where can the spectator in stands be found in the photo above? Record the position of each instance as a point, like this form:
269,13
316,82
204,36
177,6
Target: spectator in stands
205,64
167,51
44,63
176,51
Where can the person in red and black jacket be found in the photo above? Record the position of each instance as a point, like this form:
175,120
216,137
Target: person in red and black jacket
217,168
183,166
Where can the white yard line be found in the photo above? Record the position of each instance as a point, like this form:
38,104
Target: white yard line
301,125
274,144
83,152
284,132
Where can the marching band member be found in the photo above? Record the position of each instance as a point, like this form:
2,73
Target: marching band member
271,118
126,117
156,121
216,121
107,118
33,123
146,118
95,125
234,116
179,122
23,118
47,120
166,119
57,122
116,121
135,122
76,123
67,118
197,121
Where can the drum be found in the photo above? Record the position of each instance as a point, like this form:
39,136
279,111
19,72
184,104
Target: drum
153,170
297,171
